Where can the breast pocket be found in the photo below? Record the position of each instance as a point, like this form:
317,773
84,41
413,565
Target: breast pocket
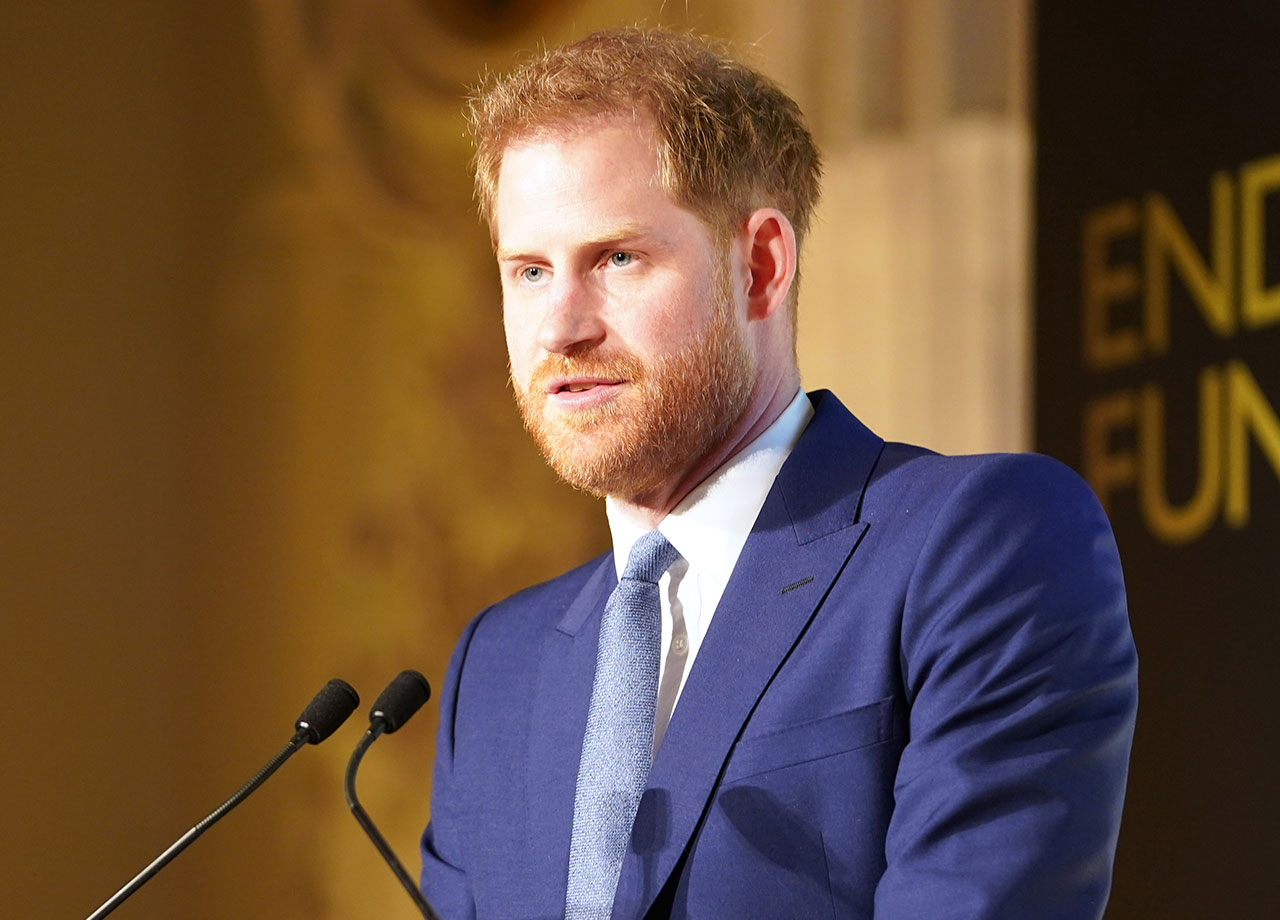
774,748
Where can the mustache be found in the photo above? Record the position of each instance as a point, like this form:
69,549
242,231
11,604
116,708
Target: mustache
617,365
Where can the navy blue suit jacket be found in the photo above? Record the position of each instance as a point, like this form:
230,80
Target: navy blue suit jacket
915,700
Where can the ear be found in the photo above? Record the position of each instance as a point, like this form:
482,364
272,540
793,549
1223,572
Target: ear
770,258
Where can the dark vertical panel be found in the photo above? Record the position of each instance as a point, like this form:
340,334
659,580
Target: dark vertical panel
1136,99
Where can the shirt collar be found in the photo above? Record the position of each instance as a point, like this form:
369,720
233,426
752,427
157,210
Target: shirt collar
711,523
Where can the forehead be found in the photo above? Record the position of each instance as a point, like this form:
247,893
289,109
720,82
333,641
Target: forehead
600,170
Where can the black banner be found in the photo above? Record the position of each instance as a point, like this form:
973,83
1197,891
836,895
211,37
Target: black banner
1158,378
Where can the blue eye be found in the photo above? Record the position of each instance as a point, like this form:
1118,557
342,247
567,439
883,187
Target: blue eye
531,273
619,259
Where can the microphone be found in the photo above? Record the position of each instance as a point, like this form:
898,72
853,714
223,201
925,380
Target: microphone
394,706
326,711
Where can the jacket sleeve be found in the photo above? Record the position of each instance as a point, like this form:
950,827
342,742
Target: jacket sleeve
1021,678
444,881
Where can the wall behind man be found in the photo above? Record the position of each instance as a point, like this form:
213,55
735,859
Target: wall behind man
914,291
118,180
256,427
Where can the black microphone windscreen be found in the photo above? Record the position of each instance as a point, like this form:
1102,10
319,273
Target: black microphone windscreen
403,697
330,708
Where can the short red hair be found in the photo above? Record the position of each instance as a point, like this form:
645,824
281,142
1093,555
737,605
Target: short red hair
729,139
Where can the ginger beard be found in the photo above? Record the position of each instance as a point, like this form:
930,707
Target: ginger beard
674,411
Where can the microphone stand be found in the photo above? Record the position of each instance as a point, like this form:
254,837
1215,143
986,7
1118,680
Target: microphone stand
327,710
296,742
376,728
370,736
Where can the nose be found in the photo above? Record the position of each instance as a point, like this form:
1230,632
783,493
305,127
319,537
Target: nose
571,321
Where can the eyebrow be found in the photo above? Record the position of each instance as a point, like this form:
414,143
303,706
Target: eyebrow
617,234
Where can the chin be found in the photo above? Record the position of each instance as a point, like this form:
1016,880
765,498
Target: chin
603,466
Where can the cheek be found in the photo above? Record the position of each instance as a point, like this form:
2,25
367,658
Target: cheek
684,315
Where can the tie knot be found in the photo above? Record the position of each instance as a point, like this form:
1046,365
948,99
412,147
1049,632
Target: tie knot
651,555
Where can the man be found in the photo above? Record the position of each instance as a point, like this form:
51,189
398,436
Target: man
820,675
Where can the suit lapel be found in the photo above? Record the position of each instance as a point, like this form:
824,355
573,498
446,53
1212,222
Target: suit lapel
558,719
802,539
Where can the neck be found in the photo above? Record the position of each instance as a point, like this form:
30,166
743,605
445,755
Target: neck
767,403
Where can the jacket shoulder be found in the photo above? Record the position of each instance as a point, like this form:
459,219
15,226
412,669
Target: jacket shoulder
1005,480
539,606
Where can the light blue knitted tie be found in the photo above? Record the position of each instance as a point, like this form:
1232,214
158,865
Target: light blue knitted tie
617,749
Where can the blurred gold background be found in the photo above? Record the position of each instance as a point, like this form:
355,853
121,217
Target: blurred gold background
255,426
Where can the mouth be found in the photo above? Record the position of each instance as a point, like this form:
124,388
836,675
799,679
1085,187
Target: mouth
579,384
582,392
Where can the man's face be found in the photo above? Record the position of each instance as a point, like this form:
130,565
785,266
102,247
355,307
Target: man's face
628,355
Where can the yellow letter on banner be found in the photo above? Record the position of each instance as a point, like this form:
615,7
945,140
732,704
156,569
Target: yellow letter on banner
1180,524
1247,410
1104,469
1259,304
1166,244
1103,284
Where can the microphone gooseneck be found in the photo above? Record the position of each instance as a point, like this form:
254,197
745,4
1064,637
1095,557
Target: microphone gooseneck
395,705
329,709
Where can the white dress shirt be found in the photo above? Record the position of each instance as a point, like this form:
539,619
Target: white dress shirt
709,528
